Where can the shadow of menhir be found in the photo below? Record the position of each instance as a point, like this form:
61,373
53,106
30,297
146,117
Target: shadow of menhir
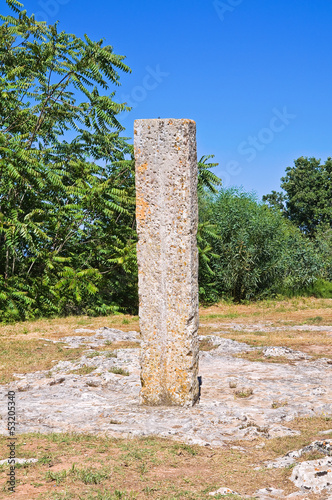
200,381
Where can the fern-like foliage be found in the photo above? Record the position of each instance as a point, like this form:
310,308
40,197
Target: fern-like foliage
66,205
207,180
67,182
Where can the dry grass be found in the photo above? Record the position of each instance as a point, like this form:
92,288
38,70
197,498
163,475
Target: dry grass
206,345
258,356
295,312
62,327
30,355
304,310
23,348
73,466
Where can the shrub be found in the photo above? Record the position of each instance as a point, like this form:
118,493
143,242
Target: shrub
255,252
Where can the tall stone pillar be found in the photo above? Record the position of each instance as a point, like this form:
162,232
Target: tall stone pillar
167,217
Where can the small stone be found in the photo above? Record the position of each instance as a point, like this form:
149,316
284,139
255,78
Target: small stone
318,391
93,383
23,386
56,381
279,463
223,491
313,476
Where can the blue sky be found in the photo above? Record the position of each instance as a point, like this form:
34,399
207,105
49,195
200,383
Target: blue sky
255,75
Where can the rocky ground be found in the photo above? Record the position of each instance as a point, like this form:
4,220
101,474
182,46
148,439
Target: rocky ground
240,399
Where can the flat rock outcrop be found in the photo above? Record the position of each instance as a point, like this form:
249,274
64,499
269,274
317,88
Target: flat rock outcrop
239,399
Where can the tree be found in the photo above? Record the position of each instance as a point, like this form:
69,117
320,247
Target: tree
307,201
208,184
276,200
65,186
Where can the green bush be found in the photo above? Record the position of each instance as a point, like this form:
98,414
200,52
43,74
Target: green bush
323,242
321,289
254,251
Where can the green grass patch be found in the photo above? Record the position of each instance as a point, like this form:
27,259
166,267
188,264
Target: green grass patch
119,371
84,370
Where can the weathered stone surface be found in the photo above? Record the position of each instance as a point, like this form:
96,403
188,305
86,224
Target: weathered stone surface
226,346
103,402
286,352
167,217
314,476
93,402
291,457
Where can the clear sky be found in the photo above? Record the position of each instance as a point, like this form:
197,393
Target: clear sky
255,75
